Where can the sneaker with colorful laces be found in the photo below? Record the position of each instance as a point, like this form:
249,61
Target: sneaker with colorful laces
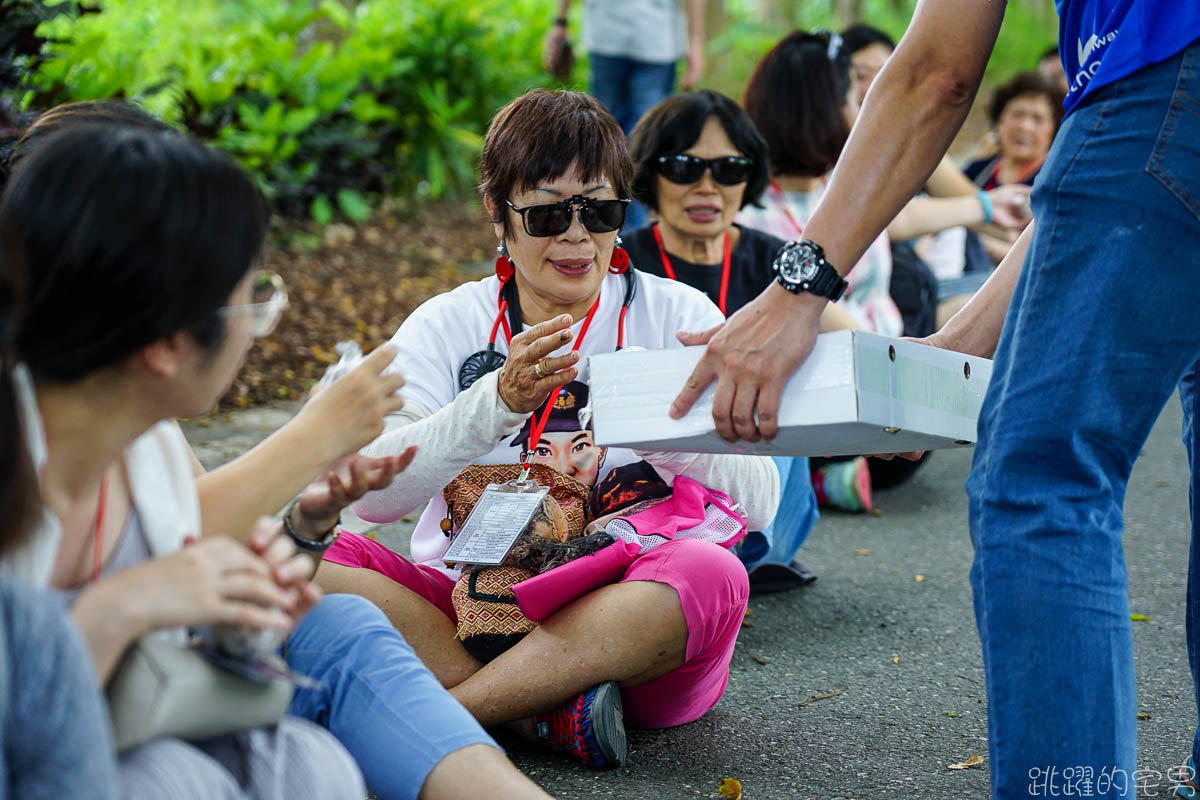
844,485
591,727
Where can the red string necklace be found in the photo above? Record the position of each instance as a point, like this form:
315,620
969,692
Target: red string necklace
670,271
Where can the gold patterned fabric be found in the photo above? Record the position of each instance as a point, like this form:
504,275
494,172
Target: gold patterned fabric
464,491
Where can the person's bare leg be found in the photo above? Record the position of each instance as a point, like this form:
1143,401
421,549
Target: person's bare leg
478,771
426,629
628,632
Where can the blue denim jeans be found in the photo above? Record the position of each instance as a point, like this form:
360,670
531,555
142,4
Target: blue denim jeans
1101,327
629,88
796,516
378,699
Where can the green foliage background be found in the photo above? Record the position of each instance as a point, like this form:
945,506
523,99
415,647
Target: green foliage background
334,104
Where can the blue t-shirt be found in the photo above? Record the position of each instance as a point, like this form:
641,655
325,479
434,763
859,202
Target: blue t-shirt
1102,41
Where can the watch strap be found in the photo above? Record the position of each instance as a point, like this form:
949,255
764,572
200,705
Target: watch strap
825,283
315,546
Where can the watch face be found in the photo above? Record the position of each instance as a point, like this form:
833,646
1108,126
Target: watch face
797,264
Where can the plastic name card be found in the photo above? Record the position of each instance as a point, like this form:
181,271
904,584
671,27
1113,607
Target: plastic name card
499,517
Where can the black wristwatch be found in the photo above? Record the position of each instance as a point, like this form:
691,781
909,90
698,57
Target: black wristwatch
801,267
313,546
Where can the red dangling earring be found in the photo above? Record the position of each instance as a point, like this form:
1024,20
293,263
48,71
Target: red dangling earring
619,263
504,265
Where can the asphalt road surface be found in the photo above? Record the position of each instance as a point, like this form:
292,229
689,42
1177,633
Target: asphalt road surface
901,652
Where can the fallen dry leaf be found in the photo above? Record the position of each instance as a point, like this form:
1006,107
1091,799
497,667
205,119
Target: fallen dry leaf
896,660
973,761
747,623
1160,483
919,578
1143,715
862,551
731,789
876,512
817,697
761,660
1140,618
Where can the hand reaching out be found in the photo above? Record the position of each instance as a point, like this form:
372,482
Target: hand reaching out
348,413
349,478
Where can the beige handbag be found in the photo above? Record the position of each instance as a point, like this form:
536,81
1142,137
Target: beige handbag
165,689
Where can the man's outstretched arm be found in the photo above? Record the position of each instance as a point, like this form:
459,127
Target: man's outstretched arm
911,114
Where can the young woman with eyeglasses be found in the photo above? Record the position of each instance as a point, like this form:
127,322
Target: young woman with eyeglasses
653,649
143,306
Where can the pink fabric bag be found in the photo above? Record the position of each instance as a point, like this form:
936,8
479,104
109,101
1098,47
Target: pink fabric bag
691,512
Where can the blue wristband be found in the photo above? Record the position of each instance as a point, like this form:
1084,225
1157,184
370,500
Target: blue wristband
986,202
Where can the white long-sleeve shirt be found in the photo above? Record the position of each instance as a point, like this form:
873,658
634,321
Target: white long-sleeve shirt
455,429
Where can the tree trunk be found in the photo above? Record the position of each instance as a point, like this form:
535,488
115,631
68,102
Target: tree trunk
847,12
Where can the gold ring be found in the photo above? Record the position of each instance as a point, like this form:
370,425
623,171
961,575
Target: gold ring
537,370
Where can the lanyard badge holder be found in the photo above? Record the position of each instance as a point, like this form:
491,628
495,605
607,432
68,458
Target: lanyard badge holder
499,517
505,510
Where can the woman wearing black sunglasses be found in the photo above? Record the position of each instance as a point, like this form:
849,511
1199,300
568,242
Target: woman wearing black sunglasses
652,649
698,162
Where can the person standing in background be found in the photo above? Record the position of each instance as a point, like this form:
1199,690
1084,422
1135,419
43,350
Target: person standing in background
633,47
1102,280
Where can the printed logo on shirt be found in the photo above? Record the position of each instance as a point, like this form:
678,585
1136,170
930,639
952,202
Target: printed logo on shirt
1085,51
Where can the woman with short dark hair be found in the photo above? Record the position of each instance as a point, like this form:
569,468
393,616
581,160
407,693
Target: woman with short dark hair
651,650
1025,112
698,161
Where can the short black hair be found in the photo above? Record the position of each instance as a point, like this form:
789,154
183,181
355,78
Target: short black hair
1023,84
675,124
100,112
539,135
795,98
129,236
861,35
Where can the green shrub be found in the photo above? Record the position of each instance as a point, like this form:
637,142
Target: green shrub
327,103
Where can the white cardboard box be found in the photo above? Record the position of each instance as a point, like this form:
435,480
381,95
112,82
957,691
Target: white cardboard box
857,394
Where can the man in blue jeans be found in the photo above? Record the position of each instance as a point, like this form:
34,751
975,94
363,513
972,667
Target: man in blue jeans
1102,326
633,46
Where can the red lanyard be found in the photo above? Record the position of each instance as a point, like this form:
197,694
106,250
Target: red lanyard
98,553
538,424
662,251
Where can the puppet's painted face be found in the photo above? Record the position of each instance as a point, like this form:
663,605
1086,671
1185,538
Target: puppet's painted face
557,529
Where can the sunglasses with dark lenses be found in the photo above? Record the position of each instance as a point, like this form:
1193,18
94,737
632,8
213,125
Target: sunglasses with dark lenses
727,171
553,219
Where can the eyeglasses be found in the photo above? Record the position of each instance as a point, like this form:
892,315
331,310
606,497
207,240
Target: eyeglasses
552,219
728,171
268,300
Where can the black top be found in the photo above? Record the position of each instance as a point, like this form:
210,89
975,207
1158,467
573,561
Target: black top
980,173
749,265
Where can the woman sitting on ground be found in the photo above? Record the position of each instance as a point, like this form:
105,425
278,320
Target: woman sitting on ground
556,181
55,734
1025,113
142,306
698,160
